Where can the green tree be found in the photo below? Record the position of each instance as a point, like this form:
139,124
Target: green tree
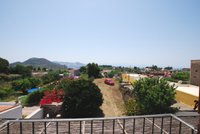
93,70
24,71
34,82
154,96
82,98
44,68
83,69
168,68
21,85
3,65
39,68
184,76
31,67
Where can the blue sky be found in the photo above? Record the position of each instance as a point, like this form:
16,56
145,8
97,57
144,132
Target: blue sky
116,32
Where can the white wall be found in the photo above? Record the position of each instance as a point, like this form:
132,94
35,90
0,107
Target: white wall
12,113
37,114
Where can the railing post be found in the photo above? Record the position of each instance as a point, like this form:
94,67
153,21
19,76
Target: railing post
45,131
143,125
113,126
123,126
161,126
8,128
133,125
69,127
91,126
20,128
32,127
180,127
56,127
80,127
153,125
170,128
102,126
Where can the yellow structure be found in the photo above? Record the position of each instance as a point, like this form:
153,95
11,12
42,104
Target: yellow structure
128,78
186,98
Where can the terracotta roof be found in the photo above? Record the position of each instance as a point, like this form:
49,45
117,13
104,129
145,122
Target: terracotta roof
73,69
4,108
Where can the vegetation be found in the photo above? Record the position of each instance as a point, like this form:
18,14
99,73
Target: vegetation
93,70
25,84
82,98
113,72
4,65
53,75
22,70
36,96
83,69
184,76
168,68
152,96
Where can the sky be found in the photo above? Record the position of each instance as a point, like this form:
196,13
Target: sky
113,32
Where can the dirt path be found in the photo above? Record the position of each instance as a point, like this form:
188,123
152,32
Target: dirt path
113,103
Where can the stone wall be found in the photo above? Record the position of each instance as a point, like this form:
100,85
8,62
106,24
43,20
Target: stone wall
195,72
52,109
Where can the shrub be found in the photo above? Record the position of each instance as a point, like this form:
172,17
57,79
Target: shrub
154,96
184,76
5,92
36,96
82,98
131,107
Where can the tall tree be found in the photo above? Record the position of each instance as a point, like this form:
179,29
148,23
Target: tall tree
93,70
3,65
83,69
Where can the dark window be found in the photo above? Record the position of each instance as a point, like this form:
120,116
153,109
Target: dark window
196,71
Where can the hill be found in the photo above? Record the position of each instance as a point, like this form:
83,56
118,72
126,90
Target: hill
74,65
39,62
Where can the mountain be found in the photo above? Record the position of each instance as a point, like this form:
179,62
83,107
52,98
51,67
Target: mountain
74,65
39,62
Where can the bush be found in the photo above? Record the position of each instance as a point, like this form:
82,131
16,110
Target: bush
5,92
184,76
154,96
82,98
36,96
51,76
131,107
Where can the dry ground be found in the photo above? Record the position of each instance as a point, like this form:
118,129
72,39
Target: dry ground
113,102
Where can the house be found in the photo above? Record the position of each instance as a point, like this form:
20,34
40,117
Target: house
75,72
186,69
10,110
106,71
195,72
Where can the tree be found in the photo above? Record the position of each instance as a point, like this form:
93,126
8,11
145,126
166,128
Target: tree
21,85
44,68
31,67
39,68
34,82
83,69
168,68
184,76
24,71
82,98
154,96
93,70
3,65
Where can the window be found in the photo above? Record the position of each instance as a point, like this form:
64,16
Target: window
196,71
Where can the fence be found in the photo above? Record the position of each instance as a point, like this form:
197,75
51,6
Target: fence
164,123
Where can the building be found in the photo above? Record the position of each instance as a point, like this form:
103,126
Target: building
195,72
75,72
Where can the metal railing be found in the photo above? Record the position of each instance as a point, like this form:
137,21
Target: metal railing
162,123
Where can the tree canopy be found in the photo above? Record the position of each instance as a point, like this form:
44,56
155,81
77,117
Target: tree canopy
82,98
153,96
93,70
3,65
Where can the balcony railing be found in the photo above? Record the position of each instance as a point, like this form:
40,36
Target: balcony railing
163,123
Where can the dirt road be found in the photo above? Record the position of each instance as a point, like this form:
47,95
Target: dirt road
113,103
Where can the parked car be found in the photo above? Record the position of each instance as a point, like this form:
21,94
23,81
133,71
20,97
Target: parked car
109,81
